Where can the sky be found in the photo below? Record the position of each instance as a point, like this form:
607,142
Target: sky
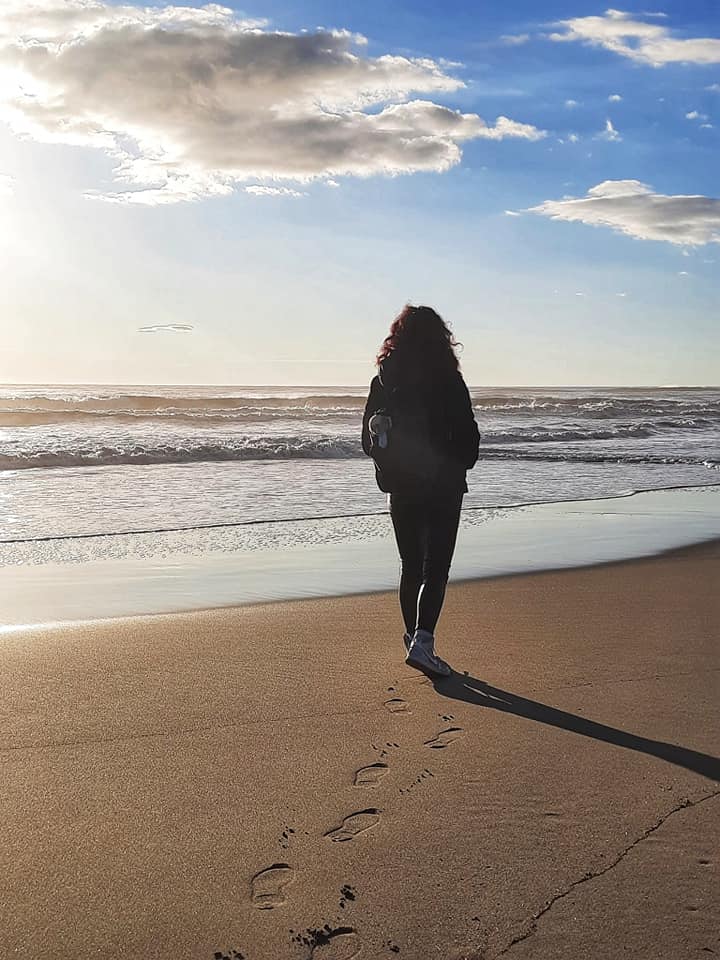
248,195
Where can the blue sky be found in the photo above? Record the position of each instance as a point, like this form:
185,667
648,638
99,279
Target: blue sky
297,280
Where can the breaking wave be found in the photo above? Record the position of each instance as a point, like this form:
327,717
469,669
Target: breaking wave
317,449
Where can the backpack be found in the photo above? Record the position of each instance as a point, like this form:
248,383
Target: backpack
406,455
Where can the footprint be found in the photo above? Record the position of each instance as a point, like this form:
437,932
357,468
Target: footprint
354,824
339,944
371,775
267,886
329,942
444,738
396,705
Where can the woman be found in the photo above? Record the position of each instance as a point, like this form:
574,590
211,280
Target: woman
420,430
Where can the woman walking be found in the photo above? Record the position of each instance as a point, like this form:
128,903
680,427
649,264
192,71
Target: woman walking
420,430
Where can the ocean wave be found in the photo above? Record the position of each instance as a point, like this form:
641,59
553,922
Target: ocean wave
295,449
318,448
575,432
599,408
581,405
233,419
642,421
150,403
179,417
591,456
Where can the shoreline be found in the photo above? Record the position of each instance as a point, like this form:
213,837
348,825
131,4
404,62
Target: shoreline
117,576
255,778
672,553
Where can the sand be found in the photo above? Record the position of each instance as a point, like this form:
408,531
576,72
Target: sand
271,781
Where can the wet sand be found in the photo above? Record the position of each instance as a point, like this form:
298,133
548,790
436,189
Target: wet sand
271,781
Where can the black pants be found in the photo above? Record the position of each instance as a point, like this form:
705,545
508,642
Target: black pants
425,531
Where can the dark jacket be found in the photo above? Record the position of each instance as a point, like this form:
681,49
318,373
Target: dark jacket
451,433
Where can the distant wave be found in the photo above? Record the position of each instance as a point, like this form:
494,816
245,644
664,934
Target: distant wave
317,449
592,407
192,411
134,403
591,456
306,449
573,433
190,418
655,411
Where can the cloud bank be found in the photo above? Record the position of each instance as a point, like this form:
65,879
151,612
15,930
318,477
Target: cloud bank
631,207
194,100
649,43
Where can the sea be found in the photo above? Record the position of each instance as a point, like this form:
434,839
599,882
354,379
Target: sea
93,461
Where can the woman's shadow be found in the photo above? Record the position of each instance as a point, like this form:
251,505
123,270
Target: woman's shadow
461,686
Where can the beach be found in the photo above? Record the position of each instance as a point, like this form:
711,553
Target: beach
270,781
212,748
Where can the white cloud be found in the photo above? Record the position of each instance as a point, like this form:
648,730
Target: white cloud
573,138
514,39
166,328
614,98
259,190
511,213
714,88
190,101
649,43
571,103
7,185
331,183
631,207
706,126
695,115
503,127
609,133
683,273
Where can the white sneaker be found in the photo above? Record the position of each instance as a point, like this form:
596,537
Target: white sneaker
422,656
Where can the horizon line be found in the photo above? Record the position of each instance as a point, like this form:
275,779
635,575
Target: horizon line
484,386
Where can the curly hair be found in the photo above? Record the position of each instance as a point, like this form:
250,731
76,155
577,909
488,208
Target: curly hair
421,337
